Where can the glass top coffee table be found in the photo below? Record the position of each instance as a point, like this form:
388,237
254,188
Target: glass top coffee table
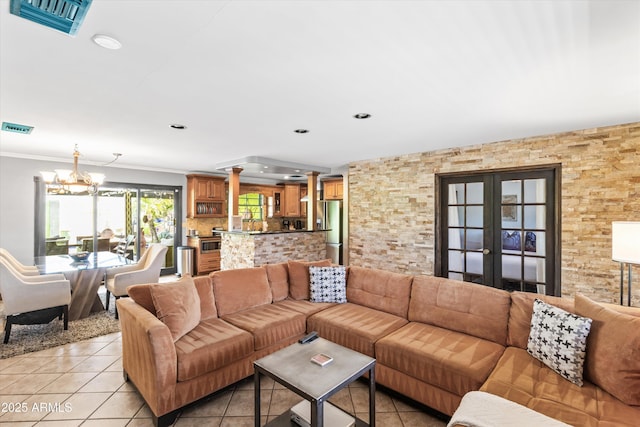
292,367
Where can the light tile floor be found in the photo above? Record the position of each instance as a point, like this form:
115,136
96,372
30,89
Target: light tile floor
81,384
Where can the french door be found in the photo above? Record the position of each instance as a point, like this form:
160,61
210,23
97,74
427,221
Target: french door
500,229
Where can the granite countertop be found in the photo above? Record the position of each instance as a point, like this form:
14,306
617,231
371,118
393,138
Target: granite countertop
272,231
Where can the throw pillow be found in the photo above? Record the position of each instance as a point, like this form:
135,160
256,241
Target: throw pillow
327,284
559,340
613,350
299,277
177,306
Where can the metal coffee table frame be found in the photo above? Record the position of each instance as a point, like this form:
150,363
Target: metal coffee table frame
292,368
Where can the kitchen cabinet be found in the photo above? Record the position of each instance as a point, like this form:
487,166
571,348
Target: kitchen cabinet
205,196
292,200
206,258
333,190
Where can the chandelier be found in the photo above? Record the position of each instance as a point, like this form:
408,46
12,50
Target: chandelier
72,181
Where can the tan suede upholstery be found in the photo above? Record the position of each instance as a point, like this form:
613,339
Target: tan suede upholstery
379,290
212,345
521,312
613,350
269,324
447,359
177,306
434,340
240,289
142,295
305,307
278,276
475,310
527,381
354,326
299,277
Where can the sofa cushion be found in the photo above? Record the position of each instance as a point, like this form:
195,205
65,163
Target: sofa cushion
378,289
476,310
327,284
240,289
142,296
211,345
177,306
278,276
613,350
299,277
354,326
559,340
303,306
269,324
449,360
529,382
521,311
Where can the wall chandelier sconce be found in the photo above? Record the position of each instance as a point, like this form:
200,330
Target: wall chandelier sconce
72,181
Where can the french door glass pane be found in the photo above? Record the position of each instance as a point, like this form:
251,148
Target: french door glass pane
474,216
534,216
535,190
512,267
465,224
475,193
534,270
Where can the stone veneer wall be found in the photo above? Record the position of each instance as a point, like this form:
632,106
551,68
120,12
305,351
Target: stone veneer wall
392,202
240,250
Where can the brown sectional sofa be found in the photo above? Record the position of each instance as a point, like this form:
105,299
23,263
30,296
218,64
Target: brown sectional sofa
434,339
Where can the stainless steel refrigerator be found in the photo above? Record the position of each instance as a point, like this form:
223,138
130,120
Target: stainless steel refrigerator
331,216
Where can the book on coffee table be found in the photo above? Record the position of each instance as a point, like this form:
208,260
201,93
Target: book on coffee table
321,359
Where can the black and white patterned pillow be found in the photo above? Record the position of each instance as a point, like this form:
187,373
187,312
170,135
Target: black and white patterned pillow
559,340
327,284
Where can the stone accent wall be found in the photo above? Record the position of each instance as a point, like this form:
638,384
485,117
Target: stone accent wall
240,250
392,202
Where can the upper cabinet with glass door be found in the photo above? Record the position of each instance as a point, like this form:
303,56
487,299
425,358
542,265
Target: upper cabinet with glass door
205,196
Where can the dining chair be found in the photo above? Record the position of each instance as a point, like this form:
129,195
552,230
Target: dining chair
146,270
31,300
26,270
123,245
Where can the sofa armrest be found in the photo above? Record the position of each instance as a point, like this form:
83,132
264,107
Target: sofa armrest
148,354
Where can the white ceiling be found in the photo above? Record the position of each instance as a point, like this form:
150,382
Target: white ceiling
242,75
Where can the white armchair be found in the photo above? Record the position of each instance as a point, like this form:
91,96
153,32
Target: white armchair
146,270
25,270
30,300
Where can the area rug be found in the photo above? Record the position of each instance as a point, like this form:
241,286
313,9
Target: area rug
29,338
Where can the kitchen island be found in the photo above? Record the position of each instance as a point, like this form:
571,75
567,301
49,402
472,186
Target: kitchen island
240,249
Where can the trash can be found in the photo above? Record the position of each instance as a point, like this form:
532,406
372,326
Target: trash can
185,260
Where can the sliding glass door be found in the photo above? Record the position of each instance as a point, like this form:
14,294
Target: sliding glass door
500,229
69,222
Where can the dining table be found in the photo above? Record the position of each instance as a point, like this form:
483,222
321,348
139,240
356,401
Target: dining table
84,276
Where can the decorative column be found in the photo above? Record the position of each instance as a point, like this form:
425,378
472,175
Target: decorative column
234,192
312,200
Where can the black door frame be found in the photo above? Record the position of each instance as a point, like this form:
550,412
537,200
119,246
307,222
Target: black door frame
492,179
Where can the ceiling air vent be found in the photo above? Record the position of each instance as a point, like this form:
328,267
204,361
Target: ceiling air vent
12,127
61,15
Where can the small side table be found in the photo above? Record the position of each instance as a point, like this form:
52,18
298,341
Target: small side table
292,367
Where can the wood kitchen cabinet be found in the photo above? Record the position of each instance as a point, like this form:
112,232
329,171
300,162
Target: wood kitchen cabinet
303,205
205,260
333,190
205,196
292,200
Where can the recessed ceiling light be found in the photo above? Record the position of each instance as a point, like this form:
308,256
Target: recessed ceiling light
301,130
106,42
178,126
362,116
